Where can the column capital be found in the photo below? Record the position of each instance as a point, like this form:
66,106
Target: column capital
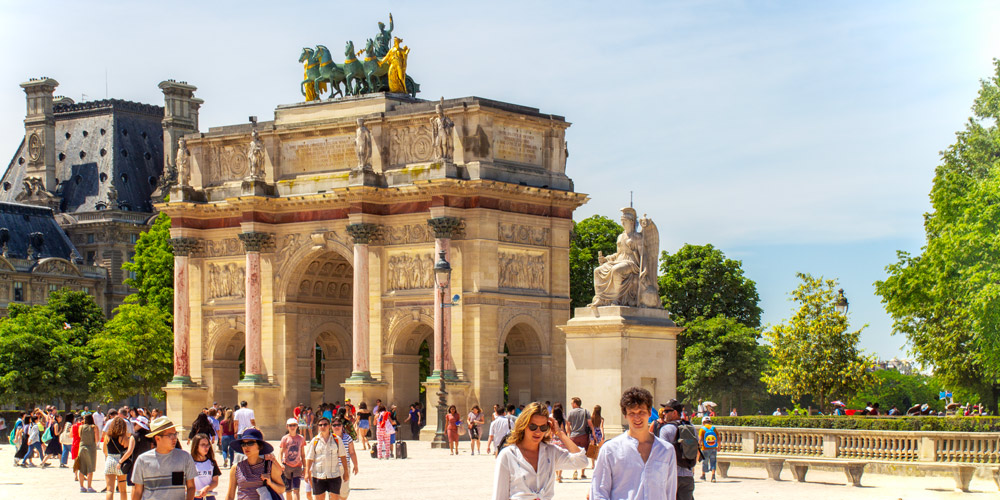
445,227
184,246
254,241
363,232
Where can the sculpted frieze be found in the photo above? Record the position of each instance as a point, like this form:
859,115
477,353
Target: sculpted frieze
406,234
222,248
522,270
410,271
225,163
523,234
226,281
410,144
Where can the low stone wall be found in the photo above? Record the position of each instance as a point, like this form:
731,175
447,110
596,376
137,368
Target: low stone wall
887,450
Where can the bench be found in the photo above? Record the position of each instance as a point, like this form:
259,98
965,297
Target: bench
772,464
852,469
961,472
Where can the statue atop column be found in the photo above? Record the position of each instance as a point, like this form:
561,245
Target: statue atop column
255,153
183,173
441,127
363,145
628,276
383,37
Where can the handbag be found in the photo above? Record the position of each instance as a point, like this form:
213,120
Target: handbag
265,492
593,450
48,435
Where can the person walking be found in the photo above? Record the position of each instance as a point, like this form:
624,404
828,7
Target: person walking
708,440
452,421
114,445
580,429
635,465
326,461
88,453
364,424
291,446
244,419
499,430
66,439
352,459
476,419
597,424
53,448
201,425
557,416
672,416
166,472
208,469
413,417
382,429
525,469
21,440
228,430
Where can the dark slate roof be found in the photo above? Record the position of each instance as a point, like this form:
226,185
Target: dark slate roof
22,220
100,143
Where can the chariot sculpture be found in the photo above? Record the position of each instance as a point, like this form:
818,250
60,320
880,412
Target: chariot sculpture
383,68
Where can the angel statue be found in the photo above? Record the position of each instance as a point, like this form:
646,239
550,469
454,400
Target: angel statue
628,276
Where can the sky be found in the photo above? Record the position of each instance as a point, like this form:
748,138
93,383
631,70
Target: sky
794,136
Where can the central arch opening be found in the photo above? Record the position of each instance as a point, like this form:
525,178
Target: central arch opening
523,362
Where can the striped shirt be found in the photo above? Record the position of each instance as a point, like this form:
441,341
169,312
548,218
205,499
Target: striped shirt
163,476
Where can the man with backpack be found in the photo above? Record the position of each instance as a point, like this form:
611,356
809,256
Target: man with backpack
708,440
683,436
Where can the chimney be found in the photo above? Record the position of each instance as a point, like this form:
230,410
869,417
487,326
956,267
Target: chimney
180,116
40,131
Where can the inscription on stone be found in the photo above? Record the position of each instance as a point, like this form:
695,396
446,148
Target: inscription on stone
517,144
319,154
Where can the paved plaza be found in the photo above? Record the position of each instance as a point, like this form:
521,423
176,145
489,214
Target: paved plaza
432,473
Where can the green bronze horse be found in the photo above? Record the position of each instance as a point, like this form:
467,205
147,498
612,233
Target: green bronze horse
320,68
354,72
376,73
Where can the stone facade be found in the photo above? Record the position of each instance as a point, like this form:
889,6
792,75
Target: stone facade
345,265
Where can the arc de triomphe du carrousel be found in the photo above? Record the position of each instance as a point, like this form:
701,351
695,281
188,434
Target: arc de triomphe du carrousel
304,248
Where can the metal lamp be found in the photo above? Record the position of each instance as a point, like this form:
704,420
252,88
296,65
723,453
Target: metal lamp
442,275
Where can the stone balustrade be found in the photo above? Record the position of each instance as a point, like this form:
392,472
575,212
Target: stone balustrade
891,446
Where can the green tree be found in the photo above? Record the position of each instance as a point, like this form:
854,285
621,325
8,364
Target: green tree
590,236
153,267
814,353
44,351
892,388
946,301
133,354
699,281
724,361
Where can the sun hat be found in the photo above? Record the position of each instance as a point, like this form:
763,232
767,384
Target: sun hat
159,425
142,422
291,421
706,418
237,445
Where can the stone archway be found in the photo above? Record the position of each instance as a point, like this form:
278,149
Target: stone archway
222,369
401,365
525,364
332,348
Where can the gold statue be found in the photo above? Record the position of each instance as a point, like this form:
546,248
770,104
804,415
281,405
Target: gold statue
396,59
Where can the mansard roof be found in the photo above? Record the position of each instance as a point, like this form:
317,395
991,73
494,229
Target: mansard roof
100,144
21,221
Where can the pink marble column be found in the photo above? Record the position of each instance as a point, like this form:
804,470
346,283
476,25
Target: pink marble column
182,309
253,243
444,228
362,234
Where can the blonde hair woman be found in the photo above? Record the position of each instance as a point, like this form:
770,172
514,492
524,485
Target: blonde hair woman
526,467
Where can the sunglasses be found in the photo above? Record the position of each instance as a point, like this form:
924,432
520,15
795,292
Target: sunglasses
247,443
337,425
293,425
536,427
172,435
324,424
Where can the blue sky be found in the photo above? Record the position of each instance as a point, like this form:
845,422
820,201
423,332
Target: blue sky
796,136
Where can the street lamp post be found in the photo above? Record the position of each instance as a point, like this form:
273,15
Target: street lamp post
442,275
842,305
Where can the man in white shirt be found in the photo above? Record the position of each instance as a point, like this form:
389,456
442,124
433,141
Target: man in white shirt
635,465
244,419
99,422
499,429
326,460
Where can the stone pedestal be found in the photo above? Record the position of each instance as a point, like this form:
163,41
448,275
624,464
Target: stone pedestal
265,401
458,395
367,391
184,402
610,349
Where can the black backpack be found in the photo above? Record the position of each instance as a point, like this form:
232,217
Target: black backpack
685,443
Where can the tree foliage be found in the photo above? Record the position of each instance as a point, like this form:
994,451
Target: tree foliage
892,388
590,236
133,354
814,353
724,362
946,301
44,349
153,267
699,281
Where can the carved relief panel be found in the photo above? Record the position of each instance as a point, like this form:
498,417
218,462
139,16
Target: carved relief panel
222,248
406,234
226,281
521,270
410,271
410,144
224,163
523,234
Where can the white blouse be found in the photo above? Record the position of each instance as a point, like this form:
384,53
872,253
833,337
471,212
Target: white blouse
515,479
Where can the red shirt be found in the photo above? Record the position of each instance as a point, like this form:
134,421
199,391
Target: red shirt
297,411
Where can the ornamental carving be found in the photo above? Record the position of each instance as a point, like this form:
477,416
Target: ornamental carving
523,234
413,144
183,246
411,271
222,248
4,292
226,281
226,163
410,233
329,290
362,233
288,244
445,227
522,270
34,147
56,266
255,241
393,320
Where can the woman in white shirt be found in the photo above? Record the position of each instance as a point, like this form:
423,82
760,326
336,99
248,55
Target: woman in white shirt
526,470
